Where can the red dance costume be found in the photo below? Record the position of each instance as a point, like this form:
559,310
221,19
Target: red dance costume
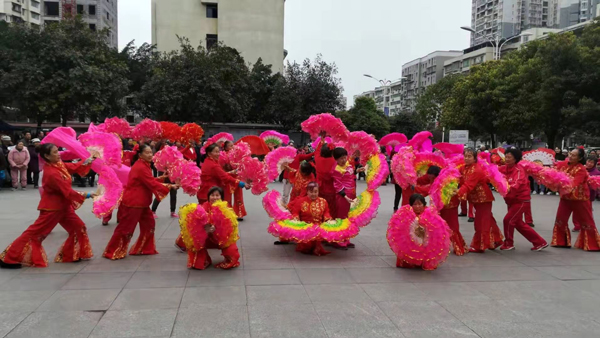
309,211
518,200
324,166
344,184
134,209
201,260
578,203
422,187
57,206
450,214
300,183
474,187
237,194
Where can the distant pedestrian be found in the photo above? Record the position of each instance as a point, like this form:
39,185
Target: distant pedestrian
33,169
19,160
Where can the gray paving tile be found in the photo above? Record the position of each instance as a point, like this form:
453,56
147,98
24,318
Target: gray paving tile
59,268
157,279
168,264
7,274
277,294
480,310
35,282
23,301
324,276
266,263
285,321
449,291
376,275
363,262
355,320
345,293
100,264
212,321
104,280
135,323
271,277
141,299
80,300
393,292
543,329
568,272
9,320
57,324
543,290
215,277
213,295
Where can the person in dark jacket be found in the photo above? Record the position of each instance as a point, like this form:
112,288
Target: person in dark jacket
33,168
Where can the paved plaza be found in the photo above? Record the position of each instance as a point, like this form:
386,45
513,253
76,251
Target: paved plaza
280,293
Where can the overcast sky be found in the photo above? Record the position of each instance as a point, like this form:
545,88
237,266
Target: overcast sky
373,37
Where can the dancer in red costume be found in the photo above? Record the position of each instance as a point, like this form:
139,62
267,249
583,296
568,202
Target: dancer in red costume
238,193
311,209
300,181
289,177
201,260
136,209
345,186
474,188
57,206
325,163
590,166
518,200
577,202
213,175
423,185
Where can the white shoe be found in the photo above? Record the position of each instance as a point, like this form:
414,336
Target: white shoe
548,193
534,193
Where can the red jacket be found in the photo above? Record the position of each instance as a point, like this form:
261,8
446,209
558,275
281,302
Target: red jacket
141,185
474,184
310,211
213,175
57,193
578,172
296,163
518,182
422,187
325,167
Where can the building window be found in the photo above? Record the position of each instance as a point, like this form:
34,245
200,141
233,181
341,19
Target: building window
80,9
211,40
35,4
92,10
212,11
51,8
466,63
36,16
16,8
108,16
93,26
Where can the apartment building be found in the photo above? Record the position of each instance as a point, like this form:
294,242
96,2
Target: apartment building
422,73
27,11
573,12
254,27
98,14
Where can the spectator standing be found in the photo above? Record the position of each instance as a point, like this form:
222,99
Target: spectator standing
18,158
27,139
33,169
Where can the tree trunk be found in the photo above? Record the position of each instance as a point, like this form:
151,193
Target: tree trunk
551,138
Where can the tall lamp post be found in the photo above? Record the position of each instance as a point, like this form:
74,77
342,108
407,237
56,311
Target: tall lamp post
496,42
386,85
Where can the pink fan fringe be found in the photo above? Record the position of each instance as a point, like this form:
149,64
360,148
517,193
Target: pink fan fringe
362,142
187,174
223,226
332,125
497,179
446,176
339,236
273,205
315,144
300,236
551,178
403,168
147,129
253,171
224,159
423,159
276,158
239,152
421,141
450,150
594,182
428,252
196,221
393,139
166,157
365,218
122,173
380,176
116,125
108,145
273,135
112,188
219,139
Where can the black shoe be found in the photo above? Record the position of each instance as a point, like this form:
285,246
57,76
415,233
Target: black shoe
351,245
105,223
471,220
240,219
35,187
462,215
281,242
10,266
532,225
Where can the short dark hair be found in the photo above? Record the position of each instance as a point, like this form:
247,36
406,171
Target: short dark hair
472,151
226,143
516,153
434,170
325,151
594,159
213,189
339,153
45,149
312,185
416,197
211,147
581,154
141,148
306,168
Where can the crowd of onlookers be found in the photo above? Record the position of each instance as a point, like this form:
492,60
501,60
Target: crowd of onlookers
19,164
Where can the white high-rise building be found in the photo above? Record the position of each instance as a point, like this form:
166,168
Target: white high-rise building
573,12
28,11
253,27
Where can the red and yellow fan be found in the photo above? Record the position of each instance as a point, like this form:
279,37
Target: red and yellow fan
192,219
226,225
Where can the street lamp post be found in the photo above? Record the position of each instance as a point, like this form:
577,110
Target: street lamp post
386,85
496,42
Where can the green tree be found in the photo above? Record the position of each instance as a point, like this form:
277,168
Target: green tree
407,123
364,115
262,82
429,105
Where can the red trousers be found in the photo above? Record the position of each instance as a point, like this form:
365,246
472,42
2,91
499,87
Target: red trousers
201,260
588,239
238,203
527,214
451,217
463,208
129,218
108,217
312,248
179,243
27,249
514,220
330,198
342,206
487,234
576,223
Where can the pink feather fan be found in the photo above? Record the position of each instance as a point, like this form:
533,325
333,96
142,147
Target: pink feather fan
277,158
192,219
187,174
110,192
594,182
425,160
273,205
363,143
551,178
116,125
251,170
403,167
316,142
107,145
274,138
147,129
332,125
166,158
218,139
239,152
393,140
450,150
444,187
497,179
422,141
419,240
226,225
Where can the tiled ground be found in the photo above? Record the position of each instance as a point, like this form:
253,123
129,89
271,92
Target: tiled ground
279,293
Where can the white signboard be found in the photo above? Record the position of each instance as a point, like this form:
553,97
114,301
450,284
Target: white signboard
459,136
